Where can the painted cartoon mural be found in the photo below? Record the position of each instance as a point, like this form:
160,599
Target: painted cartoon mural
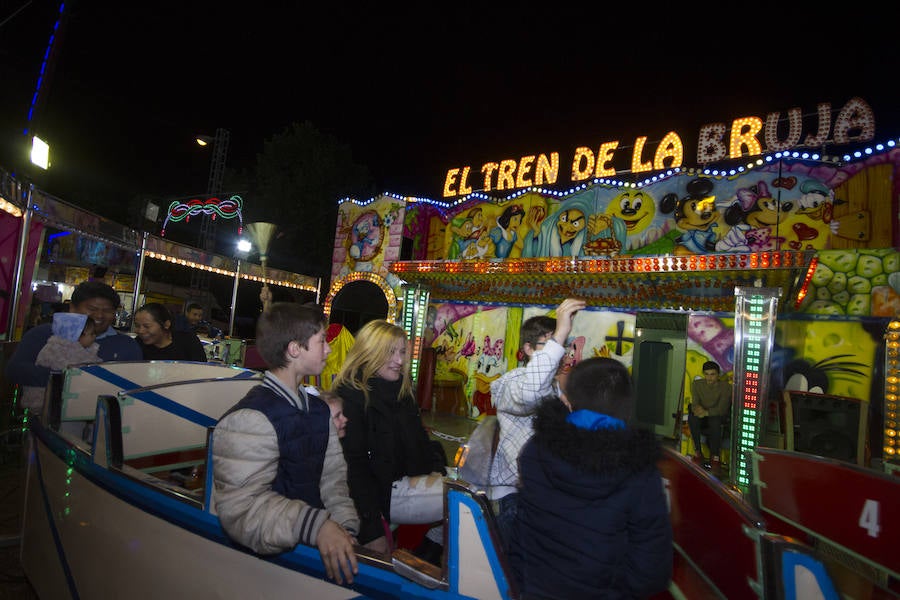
368,239
836,357
856,283
842,213
481,343
681,214
781,205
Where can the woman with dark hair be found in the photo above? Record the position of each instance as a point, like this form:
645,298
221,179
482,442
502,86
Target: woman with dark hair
153,326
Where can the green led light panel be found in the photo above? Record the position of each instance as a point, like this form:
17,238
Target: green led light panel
754,337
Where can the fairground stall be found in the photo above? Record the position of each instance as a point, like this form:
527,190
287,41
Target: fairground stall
49,246
770,248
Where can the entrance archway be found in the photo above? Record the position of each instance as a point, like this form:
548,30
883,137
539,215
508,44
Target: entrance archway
358,302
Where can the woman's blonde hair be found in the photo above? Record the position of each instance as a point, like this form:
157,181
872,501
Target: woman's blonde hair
371,351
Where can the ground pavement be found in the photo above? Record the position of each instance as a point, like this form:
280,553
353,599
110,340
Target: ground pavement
13,584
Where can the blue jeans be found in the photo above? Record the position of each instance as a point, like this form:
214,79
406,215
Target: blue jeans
712,429
506,517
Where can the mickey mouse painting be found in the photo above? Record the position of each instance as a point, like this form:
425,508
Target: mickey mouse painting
696,215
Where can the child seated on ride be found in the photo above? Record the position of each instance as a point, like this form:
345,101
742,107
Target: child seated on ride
592,519
73,341
336,405
278,467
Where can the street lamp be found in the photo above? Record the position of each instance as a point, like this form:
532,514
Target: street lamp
261,234
240,253
217,164
40,153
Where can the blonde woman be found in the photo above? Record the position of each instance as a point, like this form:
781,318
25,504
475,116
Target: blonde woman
395,472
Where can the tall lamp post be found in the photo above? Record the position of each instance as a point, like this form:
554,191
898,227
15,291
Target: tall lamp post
241,253
206,239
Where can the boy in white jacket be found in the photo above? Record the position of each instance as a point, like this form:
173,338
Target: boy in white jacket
278,466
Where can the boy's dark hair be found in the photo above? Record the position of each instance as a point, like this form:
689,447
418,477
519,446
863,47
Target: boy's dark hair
602,385
534,329
88,290
283,323
711,365
191,306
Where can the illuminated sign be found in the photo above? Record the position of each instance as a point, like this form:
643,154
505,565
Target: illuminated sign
716,142
754,336
183,211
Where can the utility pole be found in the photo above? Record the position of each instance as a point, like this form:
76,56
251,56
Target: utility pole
206,240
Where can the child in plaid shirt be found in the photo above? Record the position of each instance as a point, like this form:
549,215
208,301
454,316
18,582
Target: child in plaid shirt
516,396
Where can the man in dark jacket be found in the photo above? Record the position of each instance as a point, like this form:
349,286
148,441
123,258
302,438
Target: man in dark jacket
99,302
592,521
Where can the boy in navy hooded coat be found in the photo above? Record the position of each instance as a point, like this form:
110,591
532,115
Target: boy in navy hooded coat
593,521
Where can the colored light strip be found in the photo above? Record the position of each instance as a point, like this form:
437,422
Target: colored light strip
229,273
754,334
783,259
804,288
891,448
415,308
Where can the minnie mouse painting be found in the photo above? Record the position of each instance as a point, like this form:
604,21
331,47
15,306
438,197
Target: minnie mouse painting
754,217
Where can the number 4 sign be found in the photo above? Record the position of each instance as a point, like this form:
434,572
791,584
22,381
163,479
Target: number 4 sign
868,518
824,497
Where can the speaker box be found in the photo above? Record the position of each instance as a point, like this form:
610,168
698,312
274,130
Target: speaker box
825,425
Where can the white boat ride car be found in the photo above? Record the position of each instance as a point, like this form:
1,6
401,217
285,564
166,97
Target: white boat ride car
119,504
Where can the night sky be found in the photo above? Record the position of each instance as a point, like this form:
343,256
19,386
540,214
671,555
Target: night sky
412,93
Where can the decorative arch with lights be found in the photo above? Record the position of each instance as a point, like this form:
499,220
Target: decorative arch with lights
378,280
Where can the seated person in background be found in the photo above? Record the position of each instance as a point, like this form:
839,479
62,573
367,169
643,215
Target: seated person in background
190,319
394,470
710,403
99,302
336,406
592,520
278,468
157,339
